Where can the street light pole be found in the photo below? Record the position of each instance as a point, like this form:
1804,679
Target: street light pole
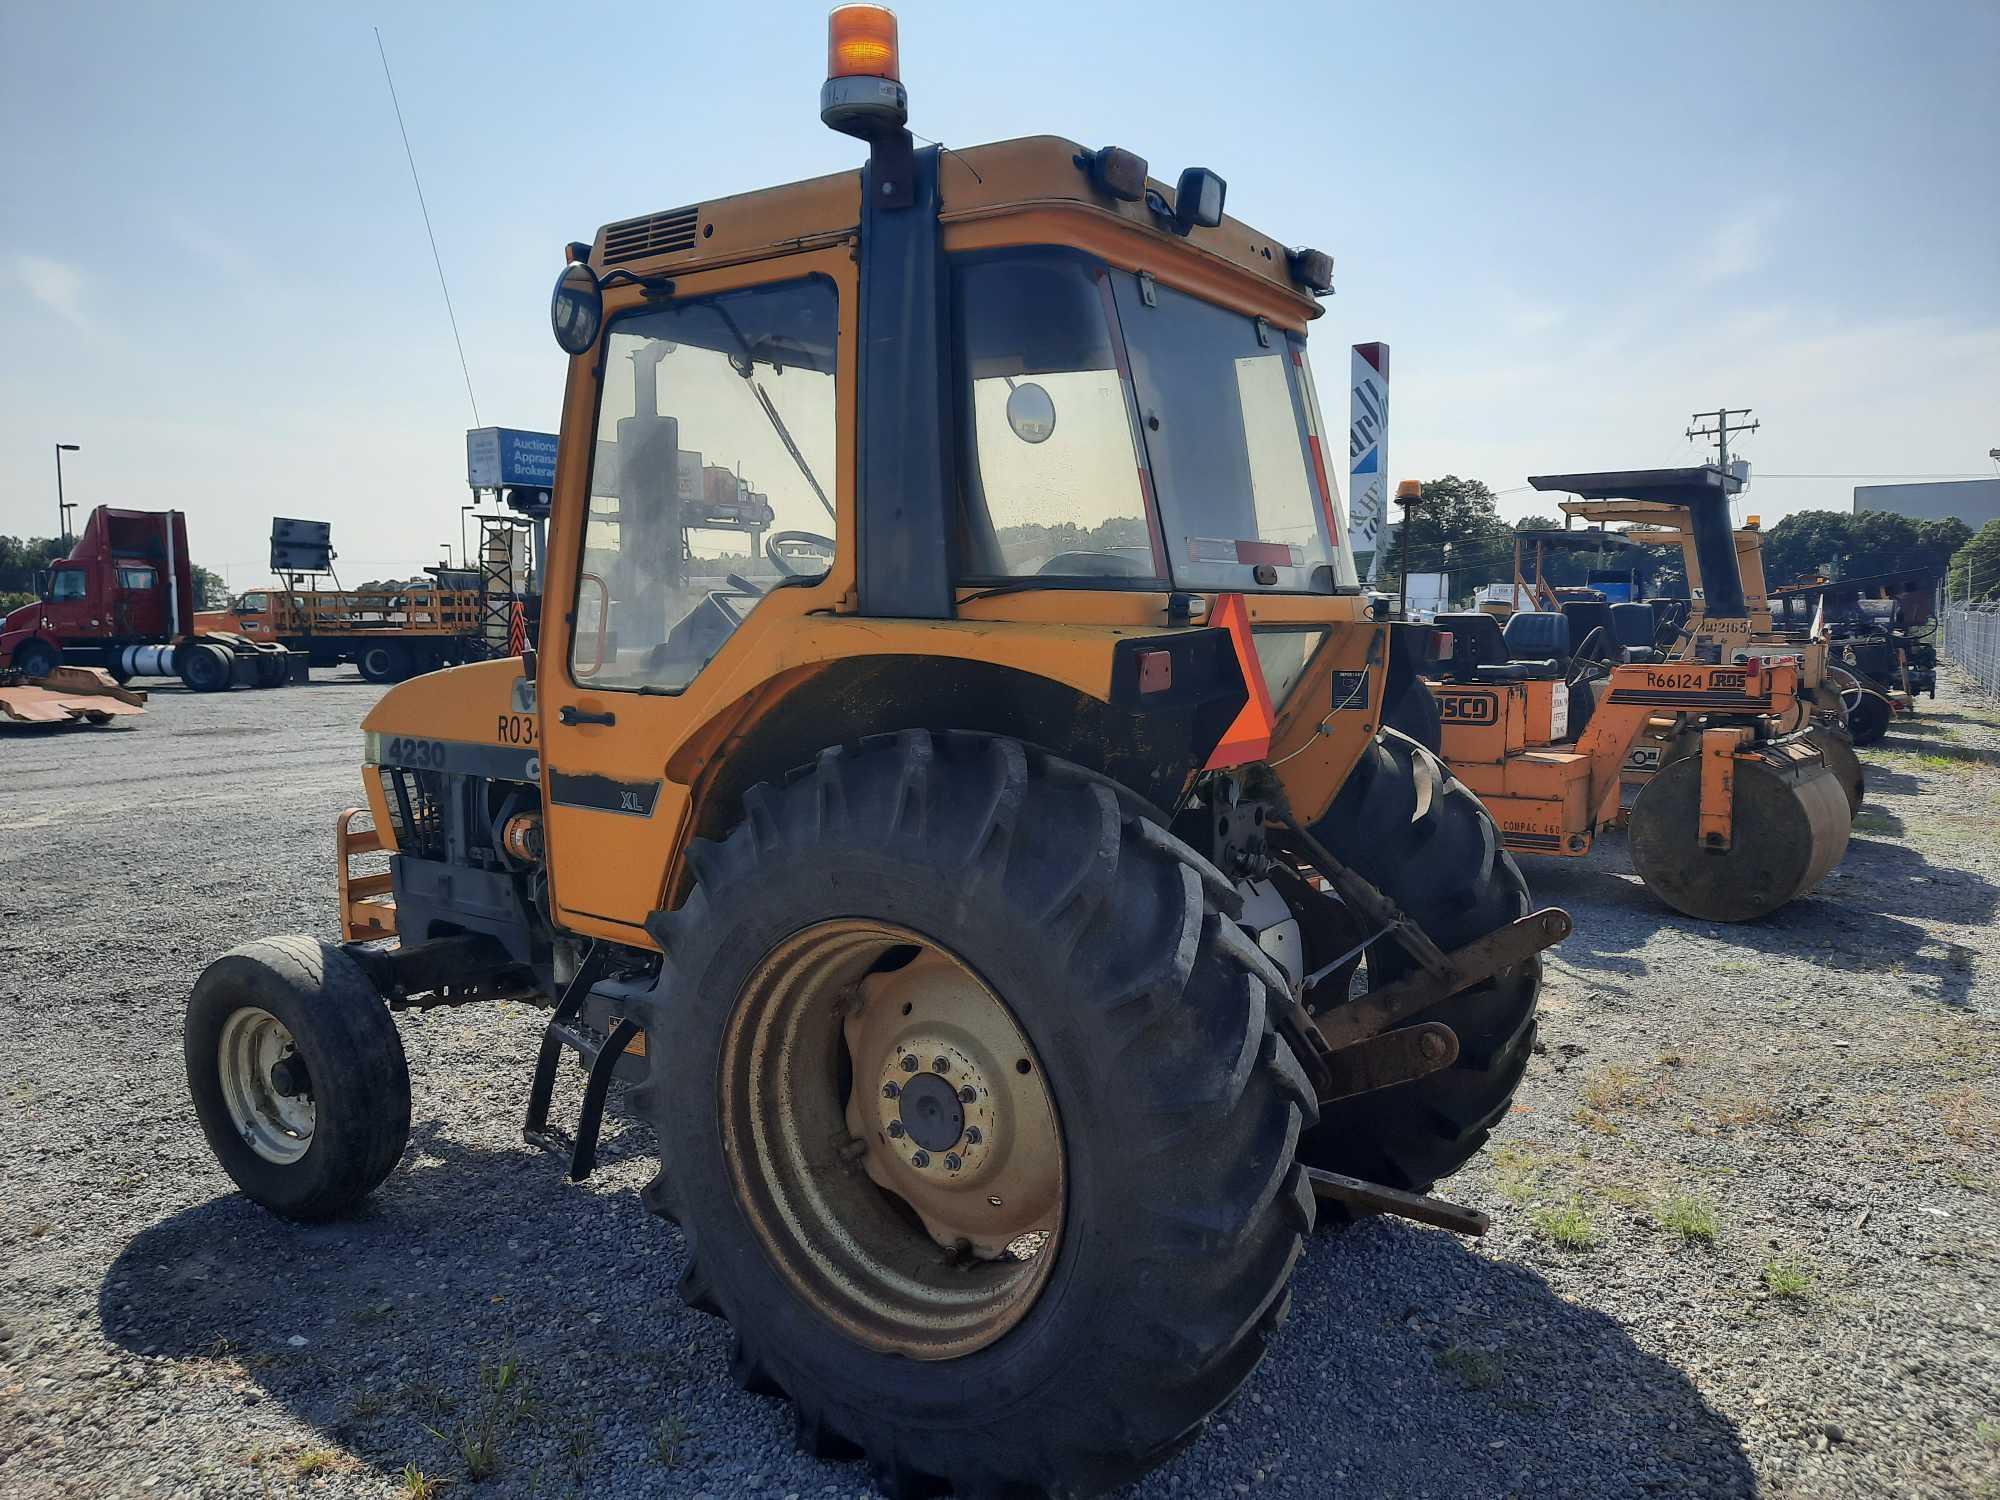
1409,495
62,510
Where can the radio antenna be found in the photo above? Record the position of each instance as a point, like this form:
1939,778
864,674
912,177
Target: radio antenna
436,259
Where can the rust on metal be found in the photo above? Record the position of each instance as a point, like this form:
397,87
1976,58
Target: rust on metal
1390,1058
1375,1198
1387,1006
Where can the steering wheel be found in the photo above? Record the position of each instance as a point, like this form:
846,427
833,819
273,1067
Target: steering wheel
783,563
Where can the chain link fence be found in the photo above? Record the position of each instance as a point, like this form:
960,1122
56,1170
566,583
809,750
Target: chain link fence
1970,636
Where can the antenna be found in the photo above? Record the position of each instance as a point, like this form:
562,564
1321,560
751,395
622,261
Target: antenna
438,260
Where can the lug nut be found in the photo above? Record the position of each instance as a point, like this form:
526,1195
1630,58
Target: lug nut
972,1136
940,1065
951,1161
968,1095
895,1130
909,1065
890,1090
920,1158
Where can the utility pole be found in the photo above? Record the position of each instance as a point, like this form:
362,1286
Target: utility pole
1721,430
62,510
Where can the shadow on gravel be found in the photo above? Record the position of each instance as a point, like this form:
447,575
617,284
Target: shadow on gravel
1411,1365
1943,749
1884,782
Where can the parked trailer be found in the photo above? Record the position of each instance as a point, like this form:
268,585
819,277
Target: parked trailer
389,633
123,600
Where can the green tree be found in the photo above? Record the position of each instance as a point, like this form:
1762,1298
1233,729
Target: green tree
1460,513
1974,575
209,590
1943,537
1538,523
1805,542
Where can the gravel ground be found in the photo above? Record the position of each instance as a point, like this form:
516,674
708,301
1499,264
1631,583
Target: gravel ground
1745,1240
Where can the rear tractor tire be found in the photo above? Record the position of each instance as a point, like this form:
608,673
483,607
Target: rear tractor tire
298,1075
970,1108
1403,822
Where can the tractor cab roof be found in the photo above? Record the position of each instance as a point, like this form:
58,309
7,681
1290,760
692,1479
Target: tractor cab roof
977,185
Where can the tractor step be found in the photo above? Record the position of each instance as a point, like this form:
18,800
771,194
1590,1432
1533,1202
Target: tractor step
600,1053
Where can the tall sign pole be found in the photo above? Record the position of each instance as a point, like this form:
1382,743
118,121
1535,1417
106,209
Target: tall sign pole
1368,453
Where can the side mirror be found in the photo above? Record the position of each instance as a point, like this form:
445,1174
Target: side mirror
1198,199
42,584
1031,412
576,311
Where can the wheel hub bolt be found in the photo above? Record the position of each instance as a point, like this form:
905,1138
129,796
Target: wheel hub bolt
920,1158
940,1065
969,1094
951,1162
895,1129
890,1090
909,1065
1432,1045
972,1136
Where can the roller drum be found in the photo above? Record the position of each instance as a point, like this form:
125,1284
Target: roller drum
1790,825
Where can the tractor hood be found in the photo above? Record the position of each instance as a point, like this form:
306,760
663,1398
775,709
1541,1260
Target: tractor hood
27,617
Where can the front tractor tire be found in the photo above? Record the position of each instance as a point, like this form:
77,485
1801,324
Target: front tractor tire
971,1111
36,658
298,1076
1403,822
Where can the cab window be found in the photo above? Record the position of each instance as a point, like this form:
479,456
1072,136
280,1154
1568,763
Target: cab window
253,604
68,583
1049,482
135,578
712,480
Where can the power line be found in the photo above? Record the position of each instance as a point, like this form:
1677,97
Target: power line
437,259
1868,476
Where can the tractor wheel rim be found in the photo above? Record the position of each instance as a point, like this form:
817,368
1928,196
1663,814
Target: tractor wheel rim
892,1139
273,1114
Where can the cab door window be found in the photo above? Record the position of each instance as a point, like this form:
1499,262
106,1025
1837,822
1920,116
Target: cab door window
69,584
712,479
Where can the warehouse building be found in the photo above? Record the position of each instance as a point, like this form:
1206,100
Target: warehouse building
1973,501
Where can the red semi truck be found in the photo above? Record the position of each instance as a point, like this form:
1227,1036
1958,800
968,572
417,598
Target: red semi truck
124,600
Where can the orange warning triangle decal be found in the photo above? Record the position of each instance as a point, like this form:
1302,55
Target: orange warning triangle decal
1249,738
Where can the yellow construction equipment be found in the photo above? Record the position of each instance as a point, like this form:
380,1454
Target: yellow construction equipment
982,901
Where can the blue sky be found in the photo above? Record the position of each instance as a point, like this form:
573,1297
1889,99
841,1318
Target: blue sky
1574,224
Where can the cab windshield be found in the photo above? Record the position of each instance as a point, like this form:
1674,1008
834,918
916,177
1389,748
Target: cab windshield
1082,386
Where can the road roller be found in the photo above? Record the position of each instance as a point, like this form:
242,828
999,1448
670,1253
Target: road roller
1667,508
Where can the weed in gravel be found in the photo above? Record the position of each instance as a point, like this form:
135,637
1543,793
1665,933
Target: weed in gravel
417,1485
1788,1278
1613,1086
1743,1111
1514,1173
668,1439
374,1312
365,1406
1568,1226
1987,1431
1590,1119
1937,762
1693,1218
427,1398
1968,1117
320,1461
1474,1368
479,1450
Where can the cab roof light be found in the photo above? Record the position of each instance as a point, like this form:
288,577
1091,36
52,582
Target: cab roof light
1197,201
863,94
1312,269
861,43
1116,172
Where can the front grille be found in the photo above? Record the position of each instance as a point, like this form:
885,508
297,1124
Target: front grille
415,810
657,234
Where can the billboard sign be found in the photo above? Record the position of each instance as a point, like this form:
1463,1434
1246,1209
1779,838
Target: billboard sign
301,546
498,458
1368,452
